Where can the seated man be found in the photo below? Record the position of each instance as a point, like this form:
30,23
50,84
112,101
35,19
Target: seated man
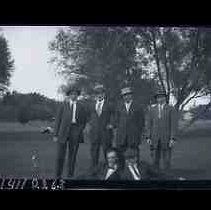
110,170
135,170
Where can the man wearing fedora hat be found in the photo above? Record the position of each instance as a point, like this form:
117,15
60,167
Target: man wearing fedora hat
161,130
68,130
129,121
100,125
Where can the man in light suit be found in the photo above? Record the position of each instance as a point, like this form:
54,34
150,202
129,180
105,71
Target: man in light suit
136,170
68,131
162,124
100,133
129,122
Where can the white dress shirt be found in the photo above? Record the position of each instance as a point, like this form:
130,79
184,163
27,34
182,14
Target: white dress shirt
160,109
73,103
99,106
127,105
110,172
134,171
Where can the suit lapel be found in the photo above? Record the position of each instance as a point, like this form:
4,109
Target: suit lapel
69,109
132,108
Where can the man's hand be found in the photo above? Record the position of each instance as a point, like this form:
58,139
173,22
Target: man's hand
149,141
109,126
55,139
171,143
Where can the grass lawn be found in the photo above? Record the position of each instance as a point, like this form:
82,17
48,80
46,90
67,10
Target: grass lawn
191,155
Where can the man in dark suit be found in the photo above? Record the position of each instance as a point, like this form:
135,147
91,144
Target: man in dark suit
100,133
162,124
135,170
68,131
129,122
111,169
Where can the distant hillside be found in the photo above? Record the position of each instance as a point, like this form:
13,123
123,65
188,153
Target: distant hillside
27,107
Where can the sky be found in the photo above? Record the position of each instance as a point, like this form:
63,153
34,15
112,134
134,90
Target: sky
33,72
29,49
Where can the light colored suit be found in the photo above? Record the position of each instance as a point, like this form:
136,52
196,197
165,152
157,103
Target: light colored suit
161,127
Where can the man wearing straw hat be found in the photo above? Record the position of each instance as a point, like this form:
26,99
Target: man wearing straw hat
68,131
129,121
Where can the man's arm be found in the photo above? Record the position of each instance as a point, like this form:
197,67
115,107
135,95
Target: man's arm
111,116
174,123
148,125
58,120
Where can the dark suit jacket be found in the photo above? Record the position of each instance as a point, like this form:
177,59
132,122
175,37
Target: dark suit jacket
63,122
129,124
98,123
164,128
102,171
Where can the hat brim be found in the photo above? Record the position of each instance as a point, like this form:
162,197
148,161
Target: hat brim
72,91
127,93
100,91
160,95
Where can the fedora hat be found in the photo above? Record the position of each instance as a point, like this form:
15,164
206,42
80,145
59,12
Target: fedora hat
99,89
126,90
130,153
160,94
71,89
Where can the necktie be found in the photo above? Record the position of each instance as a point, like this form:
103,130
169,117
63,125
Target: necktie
74,112
160,110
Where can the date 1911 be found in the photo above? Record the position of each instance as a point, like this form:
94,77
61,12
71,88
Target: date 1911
34,184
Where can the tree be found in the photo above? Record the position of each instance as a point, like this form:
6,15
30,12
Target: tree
174,59
6,63
105,55
179,59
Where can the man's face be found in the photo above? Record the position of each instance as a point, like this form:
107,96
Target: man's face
127,97
112,159
131,160
161,100
73,96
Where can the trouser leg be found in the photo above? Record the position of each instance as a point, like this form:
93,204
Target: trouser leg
61,153
157,157
95,151
106,145
73,150
167,158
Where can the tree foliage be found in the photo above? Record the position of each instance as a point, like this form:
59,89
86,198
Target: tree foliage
27,107
181,58
174,59
6,62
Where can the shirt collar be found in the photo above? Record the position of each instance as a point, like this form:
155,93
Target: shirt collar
100,101
129,102
72,102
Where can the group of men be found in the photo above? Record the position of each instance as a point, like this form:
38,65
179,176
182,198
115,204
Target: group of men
118,130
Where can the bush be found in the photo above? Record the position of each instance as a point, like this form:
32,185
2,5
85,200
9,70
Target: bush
23,115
